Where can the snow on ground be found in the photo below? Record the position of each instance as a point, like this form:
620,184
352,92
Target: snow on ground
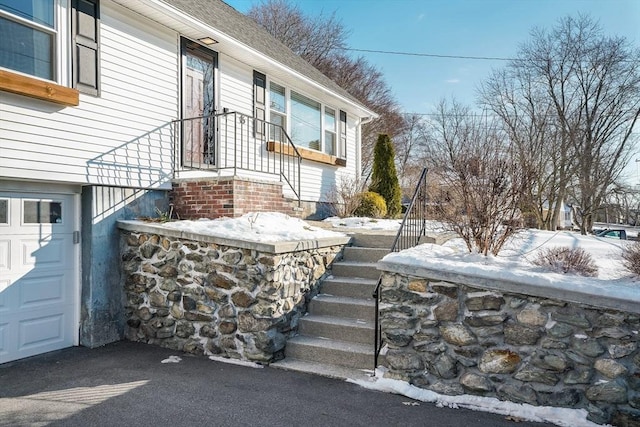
256,227
564,417
364,223
514,261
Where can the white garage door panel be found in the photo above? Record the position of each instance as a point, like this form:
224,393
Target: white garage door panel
4,286
5,255
49,252
3,340
39,269
41,331
39,291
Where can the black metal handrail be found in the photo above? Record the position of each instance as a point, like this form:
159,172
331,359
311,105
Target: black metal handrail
235,141
413,227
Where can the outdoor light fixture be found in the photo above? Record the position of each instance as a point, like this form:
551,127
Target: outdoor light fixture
208,40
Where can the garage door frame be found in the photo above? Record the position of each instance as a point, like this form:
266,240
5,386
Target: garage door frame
13,190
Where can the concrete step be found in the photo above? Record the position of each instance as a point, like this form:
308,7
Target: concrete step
373,239
349,287
364,270
337,328
331,352
326,370
348,308
355,253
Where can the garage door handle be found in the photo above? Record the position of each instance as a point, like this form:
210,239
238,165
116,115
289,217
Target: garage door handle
76,237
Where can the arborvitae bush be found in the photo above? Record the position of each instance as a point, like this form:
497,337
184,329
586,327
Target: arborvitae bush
371,205
384,178
567,260
631,258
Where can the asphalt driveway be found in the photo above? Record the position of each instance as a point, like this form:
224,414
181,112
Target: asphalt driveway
125,384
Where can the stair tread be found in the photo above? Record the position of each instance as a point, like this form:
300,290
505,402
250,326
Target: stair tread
356,263
341,321
349,279
327,343
336,299
324,369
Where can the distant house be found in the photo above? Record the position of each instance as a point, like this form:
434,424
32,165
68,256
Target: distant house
114,109
565,216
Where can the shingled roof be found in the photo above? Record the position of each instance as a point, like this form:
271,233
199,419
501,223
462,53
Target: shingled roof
224,18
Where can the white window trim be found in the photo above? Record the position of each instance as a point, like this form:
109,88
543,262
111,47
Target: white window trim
61,67
323,106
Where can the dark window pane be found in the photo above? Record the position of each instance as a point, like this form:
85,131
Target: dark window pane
39,212
40,11
4,211
25,49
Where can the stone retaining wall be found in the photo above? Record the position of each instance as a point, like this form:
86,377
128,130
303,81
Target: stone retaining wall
213,296
459,338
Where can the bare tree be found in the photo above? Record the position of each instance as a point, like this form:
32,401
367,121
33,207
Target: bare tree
479,184
545,157
313,38
321,41
345,196
411,150
586,86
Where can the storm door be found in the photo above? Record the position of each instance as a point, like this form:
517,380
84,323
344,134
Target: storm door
198,105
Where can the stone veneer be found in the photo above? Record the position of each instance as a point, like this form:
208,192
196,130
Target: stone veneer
456,334
215,296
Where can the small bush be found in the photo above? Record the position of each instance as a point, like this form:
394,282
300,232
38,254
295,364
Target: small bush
371,205
567,260
631,258
344,197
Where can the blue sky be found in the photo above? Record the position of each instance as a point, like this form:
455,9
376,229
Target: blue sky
487,28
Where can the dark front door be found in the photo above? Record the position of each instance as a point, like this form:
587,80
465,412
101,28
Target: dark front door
198,105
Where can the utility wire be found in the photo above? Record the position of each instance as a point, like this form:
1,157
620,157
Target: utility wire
475,58
431,55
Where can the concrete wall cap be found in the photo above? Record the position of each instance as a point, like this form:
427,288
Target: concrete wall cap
273,247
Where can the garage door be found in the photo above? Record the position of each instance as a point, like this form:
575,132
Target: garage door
38,274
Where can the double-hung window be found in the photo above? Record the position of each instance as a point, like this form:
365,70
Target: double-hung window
330,131
319,130
39,42
28,41
278,111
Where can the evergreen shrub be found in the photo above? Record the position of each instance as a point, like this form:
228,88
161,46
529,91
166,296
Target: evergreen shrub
384,178
372,205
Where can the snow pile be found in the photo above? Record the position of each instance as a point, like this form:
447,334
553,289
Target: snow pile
564,417
365,223
172,359
256,227
514,261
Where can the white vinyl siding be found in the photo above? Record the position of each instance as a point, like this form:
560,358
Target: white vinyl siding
121,138
235,85
102,141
